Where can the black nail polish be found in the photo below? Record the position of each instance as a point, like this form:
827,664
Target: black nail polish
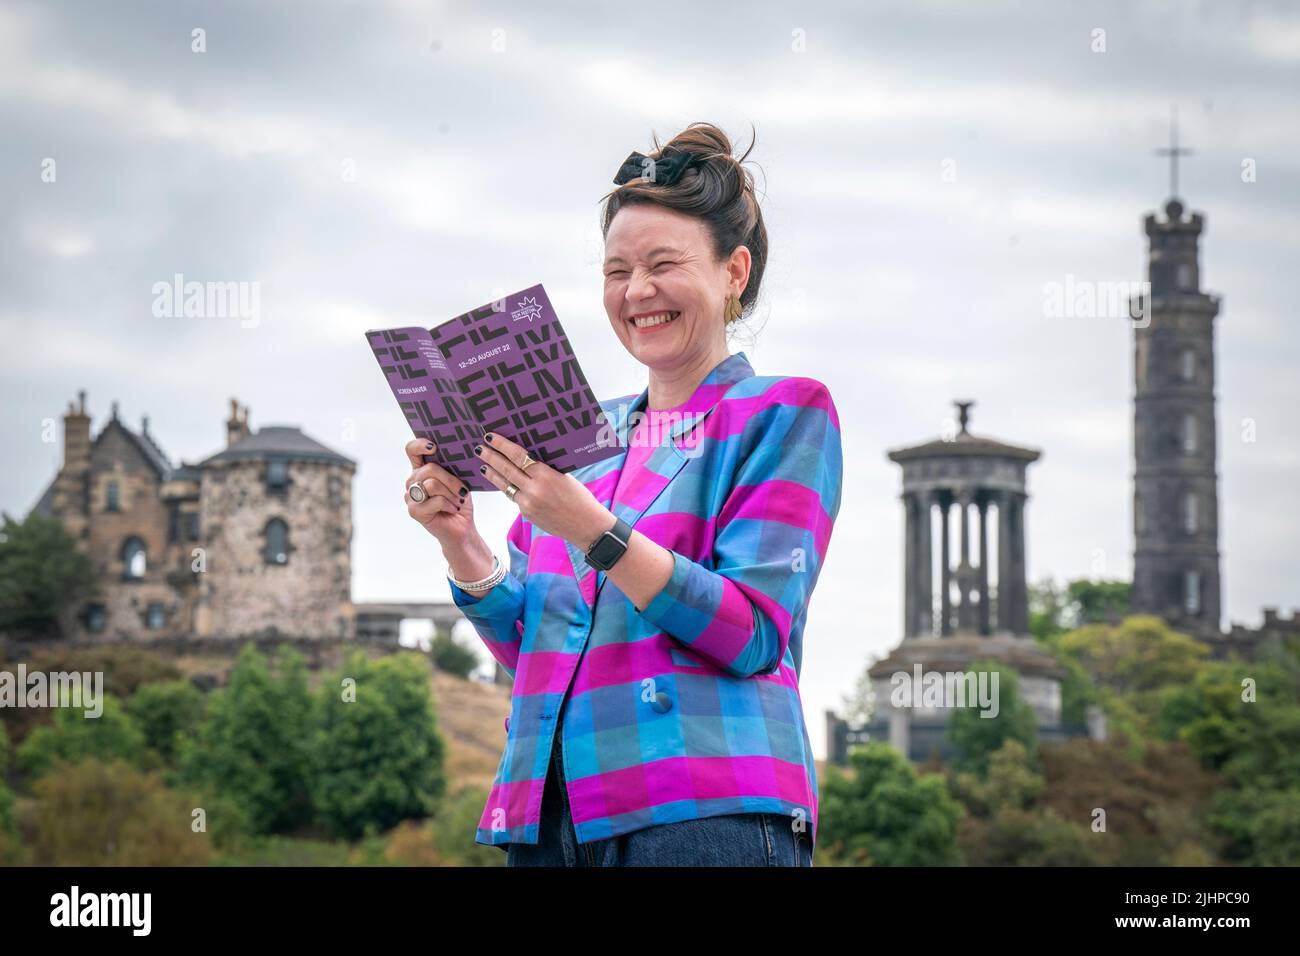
482,469
478,449
428,446
464,490
488,438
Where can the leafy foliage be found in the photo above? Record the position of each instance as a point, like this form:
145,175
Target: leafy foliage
73,737
886,814
254,746
111,814
377,754
977,737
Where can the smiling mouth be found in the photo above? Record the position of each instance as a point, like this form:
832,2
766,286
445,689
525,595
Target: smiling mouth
652,321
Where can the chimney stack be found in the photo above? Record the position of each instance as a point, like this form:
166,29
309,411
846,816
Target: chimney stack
236,424
72,485
76,439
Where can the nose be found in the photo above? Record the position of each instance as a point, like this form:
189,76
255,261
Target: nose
640,287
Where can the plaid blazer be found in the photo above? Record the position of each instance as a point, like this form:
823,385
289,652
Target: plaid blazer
688,707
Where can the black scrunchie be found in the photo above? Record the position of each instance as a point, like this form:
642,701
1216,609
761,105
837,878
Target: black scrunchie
663,171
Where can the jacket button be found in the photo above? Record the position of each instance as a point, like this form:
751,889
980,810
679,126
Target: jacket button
662,703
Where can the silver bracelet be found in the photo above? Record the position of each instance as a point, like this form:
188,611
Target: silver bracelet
497,575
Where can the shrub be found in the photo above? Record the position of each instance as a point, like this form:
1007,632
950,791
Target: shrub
111,814
377,755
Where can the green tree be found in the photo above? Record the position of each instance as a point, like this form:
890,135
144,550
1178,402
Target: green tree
1099,602
883,813
166,711
378,754
41,573
254,745
1047,609
977,737
1007,823
1056,608
452,657
1140,655
6,795
111,814
72,737
1262,826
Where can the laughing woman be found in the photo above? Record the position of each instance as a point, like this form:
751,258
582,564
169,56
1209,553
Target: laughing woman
652,608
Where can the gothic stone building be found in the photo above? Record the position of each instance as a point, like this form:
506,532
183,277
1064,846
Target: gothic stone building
254,539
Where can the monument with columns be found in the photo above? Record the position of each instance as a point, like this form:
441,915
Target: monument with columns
965,596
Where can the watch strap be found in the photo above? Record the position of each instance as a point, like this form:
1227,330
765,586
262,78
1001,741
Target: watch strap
610,546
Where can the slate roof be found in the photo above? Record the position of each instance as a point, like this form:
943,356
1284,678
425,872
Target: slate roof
277,441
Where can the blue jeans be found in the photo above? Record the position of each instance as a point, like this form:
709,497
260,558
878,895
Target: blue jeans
737,839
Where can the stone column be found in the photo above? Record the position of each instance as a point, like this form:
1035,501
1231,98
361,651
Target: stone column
965,620
1005,587
924,565
909,563
1020,603
983,506
945,597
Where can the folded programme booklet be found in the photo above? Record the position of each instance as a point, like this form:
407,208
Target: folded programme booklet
506,367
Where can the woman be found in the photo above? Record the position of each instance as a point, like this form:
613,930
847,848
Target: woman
652,614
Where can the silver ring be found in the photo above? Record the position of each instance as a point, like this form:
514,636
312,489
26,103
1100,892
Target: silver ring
417,493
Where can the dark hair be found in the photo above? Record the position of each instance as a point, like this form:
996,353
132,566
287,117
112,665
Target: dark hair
715,188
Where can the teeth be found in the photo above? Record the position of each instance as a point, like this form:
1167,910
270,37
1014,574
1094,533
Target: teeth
646,321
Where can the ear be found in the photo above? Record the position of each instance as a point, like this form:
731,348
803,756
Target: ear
738,266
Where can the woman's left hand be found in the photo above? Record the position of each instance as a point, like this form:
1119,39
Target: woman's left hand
553,501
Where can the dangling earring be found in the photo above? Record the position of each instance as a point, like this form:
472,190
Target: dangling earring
731,311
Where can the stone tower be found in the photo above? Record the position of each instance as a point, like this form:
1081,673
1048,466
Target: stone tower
965,598
1175,482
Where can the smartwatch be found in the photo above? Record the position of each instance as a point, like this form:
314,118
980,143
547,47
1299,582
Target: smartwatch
610,546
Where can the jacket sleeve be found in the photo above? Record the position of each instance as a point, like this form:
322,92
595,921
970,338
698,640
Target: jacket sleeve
498,615
771,536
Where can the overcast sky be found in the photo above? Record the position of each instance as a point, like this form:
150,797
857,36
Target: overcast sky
928,168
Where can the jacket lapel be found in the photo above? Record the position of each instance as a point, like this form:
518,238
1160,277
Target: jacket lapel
665,460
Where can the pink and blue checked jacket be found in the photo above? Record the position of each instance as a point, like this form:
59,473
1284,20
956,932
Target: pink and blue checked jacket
688,707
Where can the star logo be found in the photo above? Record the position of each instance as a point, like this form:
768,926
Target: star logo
528,309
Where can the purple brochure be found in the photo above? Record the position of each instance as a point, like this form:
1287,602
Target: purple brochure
507,368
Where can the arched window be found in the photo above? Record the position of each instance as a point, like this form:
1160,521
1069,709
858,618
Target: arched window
1190,512
1189,365
277,542
134,559
1189,434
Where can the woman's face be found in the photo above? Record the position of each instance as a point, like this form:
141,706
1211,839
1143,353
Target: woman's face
659,261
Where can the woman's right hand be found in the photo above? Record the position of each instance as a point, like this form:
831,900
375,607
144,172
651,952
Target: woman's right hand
445,513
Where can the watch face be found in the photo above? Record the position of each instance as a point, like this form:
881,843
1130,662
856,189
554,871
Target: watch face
604,551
